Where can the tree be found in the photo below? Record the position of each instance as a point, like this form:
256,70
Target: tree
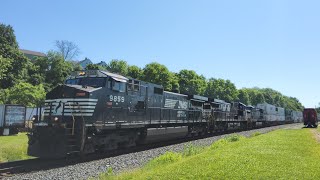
7,36
191,83
4,96
174,81
259,99
67,49
17,69
58,69
94,67
158,74
221,89
135,72
26,94
270,96
5,63
36,76
244,97
118,66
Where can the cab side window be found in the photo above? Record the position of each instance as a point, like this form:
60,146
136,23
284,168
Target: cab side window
133,85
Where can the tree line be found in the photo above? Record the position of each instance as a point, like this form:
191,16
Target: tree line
26,81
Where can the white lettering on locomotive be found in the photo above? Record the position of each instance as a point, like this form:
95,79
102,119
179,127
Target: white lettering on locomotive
116,98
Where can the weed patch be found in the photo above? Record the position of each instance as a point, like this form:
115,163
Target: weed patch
255,134
234,138
167,158
191,149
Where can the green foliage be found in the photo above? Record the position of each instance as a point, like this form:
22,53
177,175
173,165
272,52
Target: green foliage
135,72
158,74
118,66
268,95
233,138
7,36
58,69
191,83
190,150
4,93
167,158
243,97
5,63
94,67
26,94
218,144
256,134
15,62
75,66
221,89
107,174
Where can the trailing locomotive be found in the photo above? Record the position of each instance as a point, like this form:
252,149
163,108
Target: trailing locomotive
101,111
310,117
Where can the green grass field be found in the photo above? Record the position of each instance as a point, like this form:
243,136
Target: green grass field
13,147
281,154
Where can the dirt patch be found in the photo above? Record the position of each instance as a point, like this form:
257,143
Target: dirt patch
316,134
294,126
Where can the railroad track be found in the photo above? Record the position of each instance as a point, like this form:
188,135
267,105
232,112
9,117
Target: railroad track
33,165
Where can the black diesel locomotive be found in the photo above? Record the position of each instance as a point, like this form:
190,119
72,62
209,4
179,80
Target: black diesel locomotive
101,111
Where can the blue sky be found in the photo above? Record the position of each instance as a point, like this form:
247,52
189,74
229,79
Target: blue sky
269,43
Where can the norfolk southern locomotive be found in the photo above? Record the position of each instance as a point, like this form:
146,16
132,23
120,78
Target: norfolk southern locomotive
97,111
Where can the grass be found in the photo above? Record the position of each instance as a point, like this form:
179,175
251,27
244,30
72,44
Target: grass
13,147
281,154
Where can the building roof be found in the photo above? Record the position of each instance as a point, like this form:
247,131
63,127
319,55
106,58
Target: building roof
102,63
34,53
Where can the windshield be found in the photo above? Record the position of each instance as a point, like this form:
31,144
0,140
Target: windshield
119,86
88,81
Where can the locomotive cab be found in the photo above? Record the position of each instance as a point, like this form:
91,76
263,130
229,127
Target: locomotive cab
71,107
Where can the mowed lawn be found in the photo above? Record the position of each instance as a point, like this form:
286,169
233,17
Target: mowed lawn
13,147
284,154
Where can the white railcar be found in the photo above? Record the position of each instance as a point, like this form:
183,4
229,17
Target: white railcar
272,113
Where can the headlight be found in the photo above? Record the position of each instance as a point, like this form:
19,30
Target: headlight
56,119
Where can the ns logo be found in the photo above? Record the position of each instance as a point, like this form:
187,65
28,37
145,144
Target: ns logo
57,110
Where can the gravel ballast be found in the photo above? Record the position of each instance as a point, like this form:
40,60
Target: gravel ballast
129,161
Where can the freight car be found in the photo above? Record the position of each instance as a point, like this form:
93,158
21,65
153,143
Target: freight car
310,118
101,111
12,118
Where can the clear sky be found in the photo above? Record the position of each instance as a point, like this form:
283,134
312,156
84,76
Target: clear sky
265,43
